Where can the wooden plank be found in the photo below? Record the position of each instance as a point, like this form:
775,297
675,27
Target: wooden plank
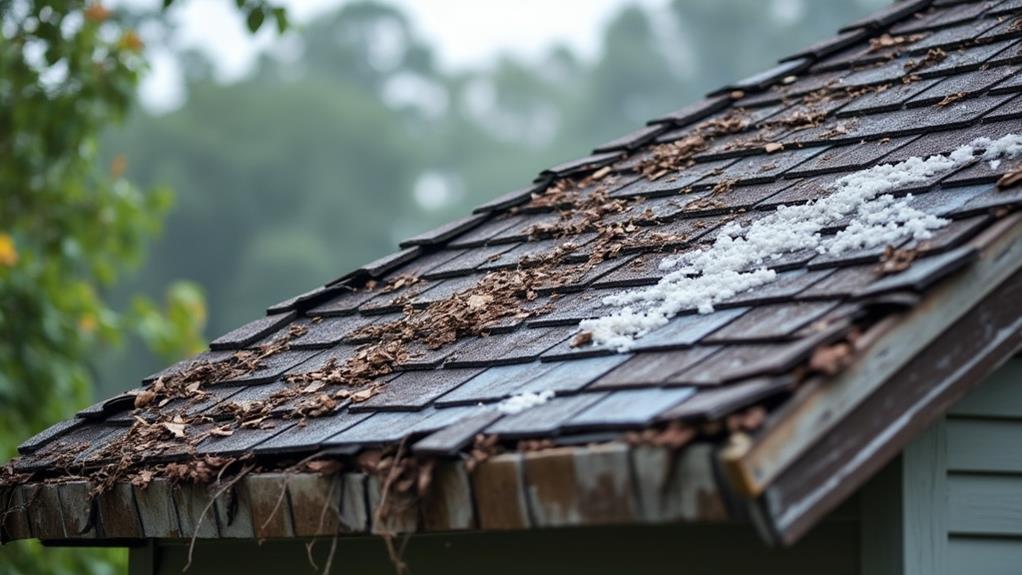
815,413
985,504
354,510
315,504
77,508
234,514
925,502
998,396
43,505
499,494
267,498
550,481
604,484
14,520
447,504
157,510
197,518
675,486
118,514
401,514
983,556
985,445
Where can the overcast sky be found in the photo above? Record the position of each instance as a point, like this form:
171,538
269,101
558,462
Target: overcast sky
461,30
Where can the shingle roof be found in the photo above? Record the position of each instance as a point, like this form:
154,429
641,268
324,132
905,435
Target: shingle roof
420,346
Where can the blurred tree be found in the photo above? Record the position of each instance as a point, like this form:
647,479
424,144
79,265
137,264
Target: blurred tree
69,227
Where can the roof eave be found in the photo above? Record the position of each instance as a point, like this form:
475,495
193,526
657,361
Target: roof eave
613,483
825,443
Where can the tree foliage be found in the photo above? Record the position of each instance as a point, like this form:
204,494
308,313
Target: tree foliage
70,226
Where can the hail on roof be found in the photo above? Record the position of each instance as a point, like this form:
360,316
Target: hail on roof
522,401
740,257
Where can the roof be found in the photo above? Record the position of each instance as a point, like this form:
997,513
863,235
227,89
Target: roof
874,277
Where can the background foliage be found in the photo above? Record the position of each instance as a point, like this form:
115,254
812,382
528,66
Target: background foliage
311,165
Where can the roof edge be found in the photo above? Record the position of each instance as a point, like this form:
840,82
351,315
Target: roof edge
613,483
823,414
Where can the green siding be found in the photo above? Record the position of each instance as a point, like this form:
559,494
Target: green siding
982,556
984,478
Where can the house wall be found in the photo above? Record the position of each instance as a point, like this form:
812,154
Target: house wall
951,504
984,477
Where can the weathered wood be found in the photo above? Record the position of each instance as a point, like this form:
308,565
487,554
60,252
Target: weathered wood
401,514
315,504
14,518
550,482
196,515
157,510
677,486
998,396
43,505
813,414
985,504
873,432
77,508
447,505
118,514
268,501
234,514
603,482
499,494
985,444
354,510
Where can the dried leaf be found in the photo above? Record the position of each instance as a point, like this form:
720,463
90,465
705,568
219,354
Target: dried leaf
1010,179
176,429
831,359
773,147
144,398
582,338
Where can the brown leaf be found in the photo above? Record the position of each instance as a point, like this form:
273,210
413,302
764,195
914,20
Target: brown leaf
831,359
176,429
1011,178
222,431
144,398
773,147
582,338
479,301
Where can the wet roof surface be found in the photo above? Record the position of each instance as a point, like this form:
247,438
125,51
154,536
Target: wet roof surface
874,94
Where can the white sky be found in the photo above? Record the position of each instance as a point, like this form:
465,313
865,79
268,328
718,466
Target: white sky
464,33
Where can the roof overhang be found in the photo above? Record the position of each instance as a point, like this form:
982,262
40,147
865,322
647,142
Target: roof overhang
836,433
605,484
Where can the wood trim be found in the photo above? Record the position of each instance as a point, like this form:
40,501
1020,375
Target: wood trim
872,434
904,511
811,415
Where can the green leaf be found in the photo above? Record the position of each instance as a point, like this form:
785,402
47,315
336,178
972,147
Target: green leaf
280,15
255,19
